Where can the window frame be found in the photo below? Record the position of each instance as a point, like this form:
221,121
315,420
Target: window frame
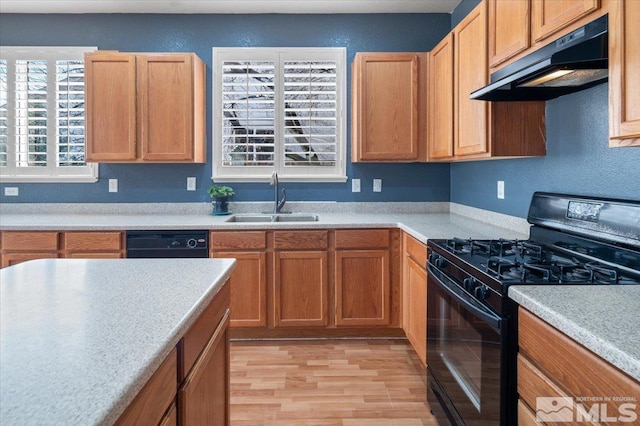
279,55
51,173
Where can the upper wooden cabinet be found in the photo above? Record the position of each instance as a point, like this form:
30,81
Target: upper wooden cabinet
470,73
476,129
551,16
389,108
509,29
145,107
518,27
624,73
440,142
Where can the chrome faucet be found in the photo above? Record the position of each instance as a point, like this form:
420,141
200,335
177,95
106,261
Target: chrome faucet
277,205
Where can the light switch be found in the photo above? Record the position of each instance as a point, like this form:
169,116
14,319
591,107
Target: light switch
377,185
501,189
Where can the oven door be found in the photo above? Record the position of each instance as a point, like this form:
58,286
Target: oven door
464,355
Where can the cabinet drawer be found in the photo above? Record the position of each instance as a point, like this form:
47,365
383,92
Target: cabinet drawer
416,250
201,331
562,358
532,383
156,396
242,240
30,241
526,417
295,240
362,238
93,241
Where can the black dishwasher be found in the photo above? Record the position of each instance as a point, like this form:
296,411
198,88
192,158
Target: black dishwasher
167,244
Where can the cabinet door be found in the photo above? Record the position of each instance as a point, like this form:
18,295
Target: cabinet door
471,73
440,140
624,73
550,16
300,289
110,86
204,396
417,321
165,107
248,283
362,287
388,106
509,29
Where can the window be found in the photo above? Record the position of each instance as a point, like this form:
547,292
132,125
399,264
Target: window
279,109
42,117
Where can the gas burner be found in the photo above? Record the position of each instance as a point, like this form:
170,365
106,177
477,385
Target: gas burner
602,274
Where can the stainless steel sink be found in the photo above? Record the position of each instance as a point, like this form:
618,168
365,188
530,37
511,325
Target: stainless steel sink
295,217
250,218
257,218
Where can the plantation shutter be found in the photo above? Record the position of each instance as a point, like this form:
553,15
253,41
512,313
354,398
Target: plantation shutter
279,109
310,110
248,108
4,126
71,113
42,115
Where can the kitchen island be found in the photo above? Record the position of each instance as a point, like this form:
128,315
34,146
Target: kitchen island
602,318
81,338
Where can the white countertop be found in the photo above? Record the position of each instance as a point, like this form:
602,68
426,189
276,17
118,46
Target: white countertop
79,338
422,226
603,318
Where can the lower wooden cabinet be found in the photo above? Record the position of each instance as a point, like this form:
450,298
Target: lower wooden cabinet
191,386
93,245
249,279
300,289
551,364
415,295
156,397
362,287
20,246
204,396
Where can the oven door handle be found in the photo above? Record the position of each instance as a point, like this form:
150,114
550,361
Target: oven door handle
453,290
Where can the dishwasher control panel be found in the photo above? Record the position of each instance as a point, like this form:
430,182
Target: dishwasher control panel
169,244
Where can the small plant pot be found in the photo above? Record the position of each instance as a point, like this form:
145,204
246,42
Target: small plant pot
220,206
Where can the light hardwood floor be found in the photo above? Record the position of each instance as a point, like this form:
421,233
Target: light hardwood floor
338,382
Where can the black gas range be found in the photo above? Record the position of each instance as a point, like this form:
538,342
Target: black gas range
471,322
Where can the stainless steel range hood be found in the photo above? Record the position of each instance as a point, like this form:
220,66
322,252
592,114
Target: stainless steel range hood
574,62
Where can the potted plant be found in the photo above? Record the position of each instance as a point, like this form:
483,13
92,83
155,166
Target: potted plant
220,195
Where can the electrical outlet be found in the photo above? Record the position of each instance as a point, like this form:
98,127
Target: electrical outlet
113,185
355,185
191,183
377,185
501,189
11,191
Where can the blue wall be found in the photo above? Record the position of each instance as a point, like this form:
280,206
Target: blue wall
199,33
578,160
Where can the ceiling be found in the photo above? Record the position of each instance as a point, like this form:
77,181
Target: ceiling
228,6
